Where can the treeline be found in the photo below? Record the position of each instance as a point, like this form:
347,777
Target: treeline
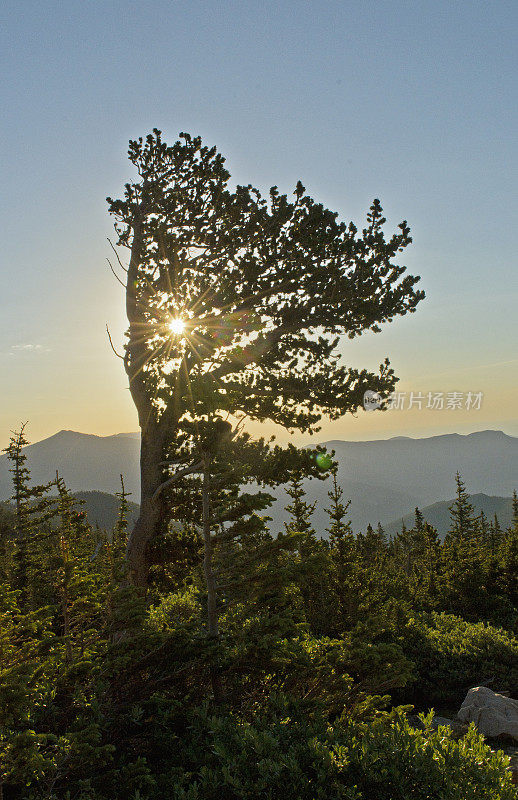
109,691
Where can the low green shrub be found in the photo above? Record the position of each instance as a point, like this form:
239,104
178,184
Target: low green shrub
280,755
173,610
451,655
288,759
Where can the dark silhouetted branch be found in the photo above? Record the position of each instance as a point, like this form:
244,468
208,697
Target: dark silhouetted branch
180,474
121,265
111,344
115,274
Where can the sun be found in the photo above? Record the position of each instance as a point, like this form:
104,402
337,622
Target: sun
176,326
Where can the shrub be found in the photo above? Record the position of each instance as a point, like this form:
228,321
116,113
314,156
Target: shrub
174,610
451,655
289,759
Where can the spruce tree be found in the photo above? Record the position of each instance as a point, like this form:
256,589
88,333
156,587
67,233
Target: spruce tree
7,540
463,526
382,536
510,557
340,526
32,509
343,563
418,520
465,557
299,510
515,510
372,544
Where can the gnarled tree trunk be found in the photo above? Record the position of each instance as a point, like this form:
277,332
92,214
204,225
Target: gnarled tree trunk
155,430
151,520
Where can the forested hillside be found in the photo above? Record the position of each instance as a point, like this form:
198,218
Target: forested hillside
106,693
438,514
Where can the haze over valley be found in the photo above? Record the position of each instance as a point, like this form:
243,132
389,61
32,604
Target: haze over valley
384,479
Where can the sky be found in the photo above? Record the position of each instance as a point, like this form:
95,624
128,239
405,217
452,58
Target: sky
412,102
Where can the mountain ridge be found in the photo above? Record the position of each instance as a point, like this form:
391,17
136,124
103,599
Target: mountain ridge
383,478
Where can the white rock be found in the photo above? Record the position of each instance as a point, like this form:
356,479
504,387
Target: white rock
493,714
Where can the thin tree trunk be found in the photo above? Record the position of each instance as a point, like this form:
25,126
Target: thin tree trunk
64,604
212,614
212,610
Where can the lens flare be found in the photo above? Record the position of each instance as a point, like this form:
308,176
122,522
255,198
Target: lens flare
323,461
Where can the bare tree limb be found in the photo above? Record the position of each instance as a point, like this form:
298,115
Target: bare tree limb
121,265
136,350
111,344
237,430
115,274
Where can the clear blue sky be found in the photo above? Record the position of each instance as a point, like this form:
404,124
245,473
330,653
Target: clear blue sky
411,102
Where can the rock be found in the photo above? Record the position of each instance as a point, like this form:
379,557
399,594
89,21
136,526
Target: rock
493,714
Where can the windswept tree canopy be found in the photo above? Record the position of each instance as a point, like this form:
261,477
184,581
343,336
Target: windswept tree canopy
236,302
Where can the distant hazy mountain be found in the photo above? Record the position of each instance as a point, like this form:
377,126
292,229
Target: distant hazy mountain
384,479
384,475
438,514
102,509
86,462
425,468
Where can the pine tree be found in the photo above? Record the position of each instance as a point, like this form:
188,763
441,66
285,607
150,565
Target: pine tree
78,575
7,540
492,537
299,522
32,509
238,561
373,545
432,577
120,531
510,557
342,556
418,520
21,496
514,521
382,536
465,559
65,510
299,510
224,291
337,513
483,525
463,525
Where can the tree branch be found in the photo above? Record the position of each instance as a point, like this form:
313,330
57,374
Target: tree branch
121,265
180,474
115,274
111,344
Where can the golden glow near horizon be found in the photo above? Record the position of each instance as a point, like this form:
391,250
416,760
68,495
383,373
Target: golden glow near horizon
176,326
